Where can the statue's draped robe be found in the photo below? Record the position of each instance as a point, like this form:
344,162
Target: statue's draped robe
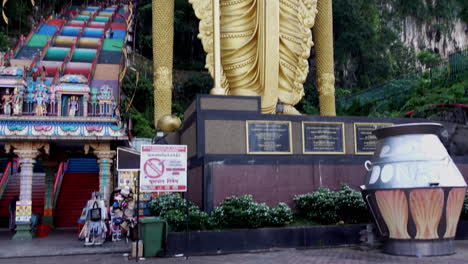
265,45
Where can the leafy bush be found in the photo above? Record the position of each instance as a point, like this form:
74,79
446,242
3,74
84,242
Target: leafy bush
329,207
243,212
233,212
280,215
351,208
173,209
318,206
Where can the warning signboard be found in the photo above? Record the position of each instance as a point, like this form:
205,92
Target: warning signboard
163,168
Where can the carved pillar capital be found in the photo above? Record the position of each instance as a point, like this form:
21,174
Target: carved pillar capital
105,155
27,150
99,146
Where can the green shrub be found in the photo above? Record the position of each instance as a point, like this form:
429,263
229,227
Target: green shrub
318,206
243,212
329,207
173,208
351,208
280,215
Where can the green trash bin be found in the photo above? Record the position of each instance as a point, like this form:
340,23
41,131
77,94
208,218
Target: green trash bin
153,232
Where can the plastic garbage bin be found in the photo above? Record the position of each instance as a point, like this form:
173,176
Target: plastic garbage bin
153,231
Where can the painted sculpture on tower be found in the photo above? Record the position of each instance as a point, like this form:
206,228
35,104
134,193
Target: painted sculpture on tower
106,100
52,101
261,48
17,102
30,96
73,106
94,101
41,99
6,100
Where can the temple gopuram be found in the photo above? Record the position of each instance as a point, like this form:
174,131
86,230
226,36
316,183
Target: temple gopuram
59,116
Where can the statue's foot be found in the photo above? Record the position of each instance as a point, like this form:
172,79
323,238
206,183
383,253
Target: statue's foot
290,110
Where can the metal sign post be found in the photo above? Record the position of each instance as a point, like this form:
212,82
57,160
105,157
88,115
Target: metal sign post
163,168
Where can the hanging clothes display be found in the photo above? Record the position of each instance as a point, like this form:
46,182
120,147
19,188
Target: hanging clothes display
122,213
94,230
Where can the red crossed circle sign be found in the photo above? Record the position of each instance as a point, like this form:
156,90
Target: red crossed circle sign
154,168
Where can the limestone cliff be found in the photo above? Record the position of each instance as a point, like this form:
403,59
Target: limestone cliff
429,35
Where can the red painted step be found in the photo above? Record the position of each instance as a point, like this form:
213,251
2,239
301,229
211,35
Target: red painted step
13,189
75,192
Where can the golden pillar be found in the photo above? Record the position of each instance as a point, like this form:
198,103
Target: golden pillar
323,36
163,45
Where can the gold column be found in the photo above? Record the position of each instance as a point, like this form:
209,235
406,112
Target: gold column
323,36
163,45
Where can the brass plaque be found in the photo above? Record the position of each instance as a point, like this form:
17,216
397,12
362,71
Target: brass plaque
364,141
269,137
323,138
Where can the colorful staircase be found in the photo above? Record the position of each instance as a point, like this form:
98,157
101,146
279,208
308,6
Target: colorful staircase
13,187
80,180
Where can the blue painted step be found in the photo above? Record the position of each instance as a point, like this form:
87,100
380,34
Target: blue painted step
82,165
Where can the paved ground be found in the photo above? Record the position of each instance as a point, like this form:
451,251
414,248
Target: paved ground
61,242
64,247
282,256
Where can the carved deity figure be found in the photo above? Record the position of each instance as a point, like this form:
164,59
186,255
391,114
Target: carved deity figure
105,99
73,106
40,99
30,96
35,74
94,101
6,99
52,100
264,49
17,102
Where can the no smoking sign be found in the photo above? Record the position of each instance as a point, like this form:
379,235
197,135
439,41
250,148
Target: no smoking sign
154,168
163,168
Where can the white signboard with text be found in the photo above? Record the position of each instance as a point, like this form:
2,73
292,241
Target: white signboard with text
163,168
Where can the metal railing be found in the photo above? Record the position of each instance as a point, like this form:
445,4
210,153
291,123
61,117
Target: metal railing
58,181
9,170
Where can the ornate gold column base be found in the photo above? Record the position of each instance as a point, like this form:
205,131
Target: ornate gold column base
105,159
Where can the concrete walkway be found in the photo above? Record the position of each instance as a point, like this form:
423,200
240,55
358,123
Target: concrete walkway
64,247
58,243
281,256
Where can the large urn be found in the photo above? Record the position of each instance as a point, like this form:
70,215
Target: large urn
414,190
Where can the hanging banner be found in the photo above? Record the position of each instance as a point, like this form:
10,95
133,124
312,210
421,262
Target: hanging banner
23,211
163,168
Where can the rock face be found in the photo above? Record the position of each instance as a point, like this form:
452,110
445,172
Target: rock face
431,35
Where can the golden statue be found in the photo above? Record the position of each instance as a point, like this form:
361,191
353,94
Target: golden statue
261,48
254,47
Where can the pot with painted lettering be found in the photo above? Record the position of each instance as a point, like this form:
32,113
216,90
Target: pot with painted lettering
414,190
